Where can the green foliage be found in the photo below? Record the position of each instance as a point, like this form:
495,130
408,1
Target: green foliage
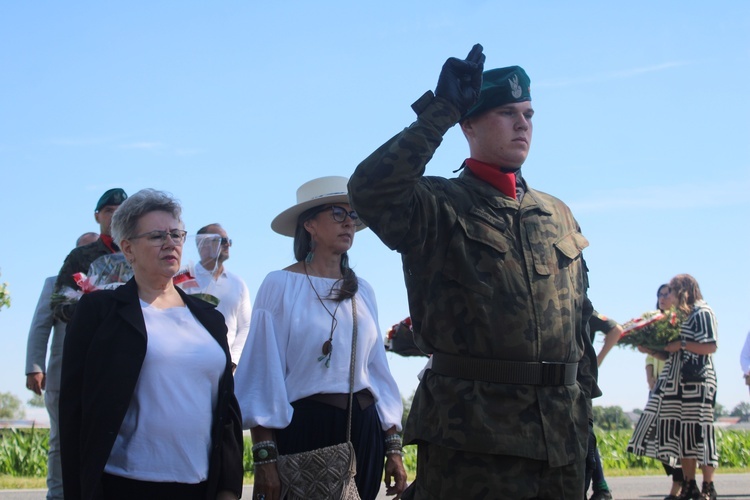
613,451
611,418
10,406
410,460
734,450
37,400
4,295
247,457
741,410
24,452
407,407
719,411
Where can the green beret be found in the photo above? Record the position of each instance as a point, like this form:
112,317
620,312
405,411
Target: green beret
501,86
114,196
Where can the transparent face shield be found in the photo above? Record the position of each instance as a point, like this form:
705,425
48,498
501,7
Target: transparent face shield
200,259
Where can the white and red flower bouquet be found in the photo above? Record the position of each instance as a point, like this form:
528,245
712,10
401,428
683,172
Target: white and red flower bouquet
105,273
652,330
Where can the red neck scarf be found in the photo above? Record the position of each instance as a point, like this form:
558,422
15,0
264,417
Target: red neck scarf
109,242
505,182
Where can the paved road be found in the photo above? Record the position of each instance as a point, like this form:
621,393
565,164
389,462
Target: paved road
729,487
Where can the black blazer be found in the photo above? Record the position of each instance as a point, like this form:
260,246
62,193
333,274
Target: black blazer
103,353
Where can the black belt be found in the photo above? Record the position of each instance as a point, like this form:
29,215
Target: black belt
505,372
341,401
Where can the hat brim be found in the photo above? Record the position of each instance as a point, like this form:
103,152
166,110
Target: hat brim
286,222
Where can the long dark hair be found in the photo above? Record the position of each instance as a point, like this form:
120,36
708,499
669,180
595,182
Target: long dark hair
658,294
302,244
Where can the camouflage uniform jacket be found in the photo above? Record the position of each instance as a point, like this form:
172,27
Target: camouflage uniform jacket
77,261
486,277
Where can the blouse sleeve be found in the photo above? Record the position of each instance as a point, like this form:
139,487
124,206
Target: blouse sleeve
259,379
387,395
704,325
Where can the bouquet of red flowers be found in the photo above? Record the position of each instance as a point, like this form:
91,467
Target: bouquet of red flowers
105,273
186,280
652,330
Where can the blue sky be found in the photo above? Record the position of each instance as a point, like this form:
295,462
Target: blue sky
642,126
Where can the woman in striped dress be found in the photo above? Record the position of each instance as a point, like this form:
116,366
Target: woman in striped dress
677,423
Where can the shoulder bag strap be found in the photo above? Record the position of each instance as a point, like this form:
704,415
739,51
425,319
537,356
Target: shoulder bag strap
351,369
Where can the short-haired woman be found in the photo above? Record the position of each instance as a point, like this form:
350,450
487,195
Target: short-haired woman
147,406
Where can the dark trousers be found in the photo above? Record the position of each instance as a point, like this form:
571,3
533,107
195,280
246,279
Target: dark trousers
675,472
121,488
594,470
444,473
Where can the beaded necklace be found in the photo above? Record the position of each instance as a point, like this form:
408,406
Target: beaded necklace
328,344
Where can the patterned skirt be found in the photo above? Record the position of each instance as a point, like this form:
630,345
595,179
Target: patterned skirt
678,421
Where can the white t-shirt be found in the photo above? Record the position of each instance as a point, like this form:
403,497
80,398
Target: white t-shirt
166,433
234,304
287,333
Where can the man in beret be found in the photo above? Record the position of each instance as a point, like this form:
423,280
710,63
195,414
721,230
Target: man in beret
497,294
79,260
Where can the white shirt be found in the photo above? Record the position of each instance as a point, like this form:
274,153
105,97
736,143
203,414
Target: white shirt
745,356
287,333
234,304
166,433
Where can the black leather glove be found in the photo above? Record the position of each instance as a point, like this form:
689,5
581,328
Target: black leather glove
461,79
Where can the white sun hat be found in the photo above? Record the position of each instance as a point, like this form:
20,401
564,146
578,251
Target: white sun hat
320,191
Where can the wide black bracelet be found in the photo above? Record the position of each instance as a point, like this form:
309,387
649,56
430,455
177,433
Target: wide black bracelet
265,452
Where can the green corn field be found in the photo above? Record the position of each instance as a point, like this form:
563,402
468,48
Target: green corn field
23,453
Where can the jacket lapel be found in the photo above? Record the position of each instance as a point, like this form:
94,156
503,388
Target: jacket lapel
130,306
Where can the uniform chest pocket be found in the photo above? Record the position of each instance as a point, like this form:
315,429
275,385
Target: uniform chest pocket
475,254
570,247
548,259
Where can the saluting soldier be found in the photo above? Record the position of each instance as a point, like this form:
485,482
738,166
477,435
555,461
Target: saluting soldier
497,294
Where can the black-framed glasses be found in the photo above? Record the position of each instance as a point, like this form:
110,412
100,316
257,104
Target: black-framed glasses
158,238
340,214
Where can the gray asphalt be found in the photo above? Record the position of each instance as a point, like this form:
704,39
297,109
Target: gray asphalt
728,486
